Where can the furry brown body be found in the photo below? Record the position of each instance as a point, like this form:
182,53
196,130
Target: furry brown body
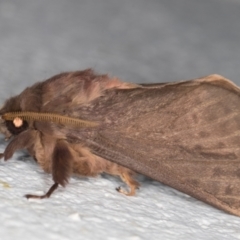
64,94
184,134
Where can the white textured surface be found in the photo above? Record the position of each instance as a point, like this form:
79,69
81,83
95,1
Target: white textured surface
92,209
137,40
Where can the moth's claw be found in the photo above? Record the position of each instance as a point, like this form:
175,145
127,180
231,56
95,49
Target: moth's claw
127,193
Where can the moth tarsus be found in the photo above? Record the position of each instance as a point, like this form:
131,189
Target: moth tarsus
47,195
124,192
184,134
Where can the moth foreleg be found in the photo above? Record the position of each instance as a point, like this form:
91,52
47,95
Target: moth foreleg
22,140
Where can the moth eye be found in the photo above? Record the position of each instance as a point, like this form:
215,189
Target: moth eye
18,122
16,126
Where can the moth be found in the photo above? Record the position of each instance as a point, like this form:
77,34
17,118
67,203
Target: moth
184,134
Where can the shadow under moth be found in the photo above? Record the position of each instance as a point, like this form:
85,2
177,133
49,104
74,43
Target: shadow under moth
183,134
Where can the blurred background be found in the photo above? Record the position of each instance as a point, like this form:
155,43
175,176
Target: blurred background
138,41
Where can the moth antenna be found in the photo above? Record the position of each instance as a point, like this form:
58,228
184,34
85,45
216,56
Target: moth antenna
48,117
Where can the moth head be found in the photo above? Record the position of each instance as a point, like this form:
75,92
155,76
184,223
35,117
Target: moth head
12,127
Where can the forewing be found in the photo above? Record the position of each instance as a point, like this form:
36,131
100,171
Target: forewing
185,135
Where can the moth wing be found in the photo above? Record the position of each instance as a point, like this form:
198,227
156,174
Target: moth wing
185,135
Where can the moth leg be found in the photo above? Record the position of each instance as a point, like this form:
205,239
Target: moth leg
47,195
24,139
132,184
1,155
61,168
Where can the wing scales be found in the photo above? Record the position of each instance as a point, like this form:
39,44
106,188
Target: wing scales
190,143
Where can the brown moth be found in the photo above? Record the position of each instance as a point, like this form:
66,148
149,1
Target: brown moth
184,134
